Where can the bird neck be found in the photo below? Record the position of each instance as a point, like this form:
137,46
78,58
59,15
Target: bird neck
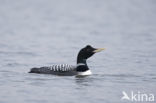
81,65
81,61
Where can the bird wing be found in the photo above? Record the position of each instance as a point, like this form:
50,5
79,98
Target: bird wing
61,69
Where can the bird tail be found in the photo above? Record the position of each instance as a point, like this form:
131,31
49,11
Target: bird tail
34,70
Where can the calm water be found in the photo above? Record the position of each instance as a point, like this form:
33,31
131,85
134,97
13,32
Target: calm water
46,32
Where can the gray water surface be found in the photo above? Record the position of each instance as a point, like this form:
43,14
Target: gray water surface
36,33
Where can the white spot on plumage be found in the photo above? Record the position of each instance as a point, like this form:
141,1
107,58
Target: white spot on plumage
59,68
56,67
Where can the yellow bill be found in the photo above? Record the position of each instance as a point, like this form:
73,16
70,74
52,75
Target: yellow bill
98,50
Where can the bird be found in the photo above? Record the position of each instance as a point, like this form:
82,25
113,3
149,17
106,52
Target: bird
81,69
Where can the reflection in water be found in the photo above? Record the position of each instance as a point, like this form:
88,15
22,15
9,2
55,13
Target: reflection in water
83,81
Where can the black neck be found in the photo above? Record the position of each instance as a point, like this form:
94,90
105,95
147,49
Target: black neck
81,60
81,64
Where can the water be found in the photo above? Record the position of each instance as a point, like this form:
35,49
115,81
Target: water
46,32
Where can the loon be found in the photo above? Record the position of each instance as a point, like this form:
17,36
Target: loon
81,69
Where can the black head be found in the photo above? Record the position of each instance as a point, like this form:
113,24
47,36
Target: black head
87,52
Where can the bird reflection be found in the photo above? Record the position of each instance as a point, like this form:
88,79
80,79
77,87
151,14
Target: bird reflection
83,81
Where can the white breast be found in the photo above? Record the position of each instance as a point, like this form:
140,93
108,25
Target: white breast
88,72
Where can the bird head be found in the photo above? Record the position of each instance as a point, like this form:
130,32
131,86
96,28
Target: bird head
88,51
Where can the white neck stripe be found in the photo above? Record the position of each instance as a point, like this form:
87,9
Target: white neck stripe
80,64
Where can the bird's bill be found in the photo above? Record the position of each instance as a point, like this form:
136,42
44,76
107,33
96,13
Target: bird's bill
98,50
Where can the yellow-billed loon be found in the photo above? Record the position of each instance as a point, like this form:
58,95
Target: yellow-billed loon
68,70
